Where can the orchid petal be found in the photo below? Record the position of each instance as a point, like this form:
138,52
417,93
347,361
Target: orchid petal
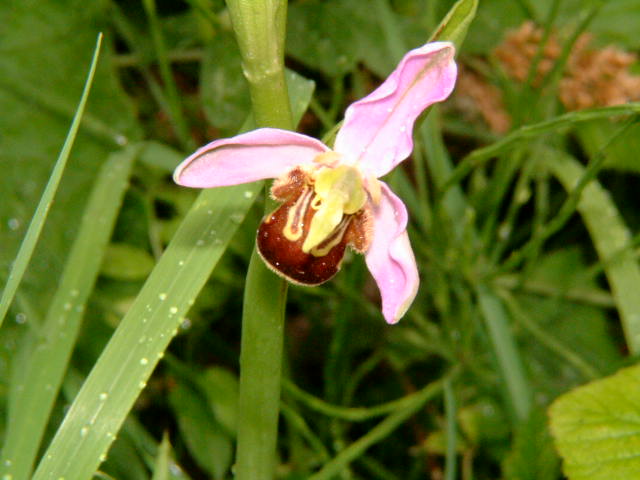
390,258
377,130
256,155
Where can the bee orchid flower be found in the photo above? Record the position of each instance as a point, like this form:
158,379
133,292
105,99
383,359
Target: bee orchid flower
332,198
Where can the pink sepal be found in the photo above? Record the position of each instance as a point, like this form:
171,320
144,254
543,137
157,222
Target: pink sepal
390,258
377,130
256,155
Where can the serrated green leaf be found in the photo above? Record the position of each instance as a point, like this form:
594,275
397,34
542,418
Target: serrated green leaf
596,428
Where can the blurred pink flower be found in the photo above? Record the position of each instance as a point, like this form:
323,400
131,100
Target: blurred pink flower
332,197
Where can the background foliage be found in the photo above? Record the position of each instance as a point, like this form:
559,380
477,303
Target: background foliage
528,289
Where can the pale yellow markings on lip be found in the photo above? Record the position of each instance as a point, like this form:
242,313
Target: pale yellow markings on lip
295,217
341,192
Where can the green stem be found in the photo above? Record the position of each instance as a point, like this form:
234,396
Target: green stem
260,371
379,432
452,434
260,29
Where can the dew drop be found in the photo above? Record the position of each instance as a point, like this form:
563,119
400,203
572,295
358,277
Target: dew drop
248,194
121,140
13,224
7,476
236,217
162,296
173,310
7,463
200,242
144,361
103,396
181,263
84,431
67,306
103,457
142,384
21,318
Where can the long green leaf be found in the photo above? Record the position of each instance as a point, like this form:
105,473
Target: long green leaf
454,26
105,399
610,236
35,227
138,344
506,350
482,155
33,396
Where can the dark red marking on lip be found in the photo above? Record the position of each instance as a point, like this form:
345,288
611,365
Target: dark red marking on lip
286,257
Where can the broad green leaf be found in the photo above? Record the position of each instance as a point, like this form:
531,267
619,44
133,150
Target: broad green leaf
596,428
557,300
322,36
225,93
126,262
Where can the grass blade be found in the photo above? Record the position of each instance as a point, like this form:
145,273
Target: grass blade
144,333
47,361
506,351
128,360
610,236
35,227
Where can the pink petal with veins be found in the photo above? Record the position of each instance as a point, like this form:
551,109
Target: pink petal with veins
256,155
377,130
390,258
